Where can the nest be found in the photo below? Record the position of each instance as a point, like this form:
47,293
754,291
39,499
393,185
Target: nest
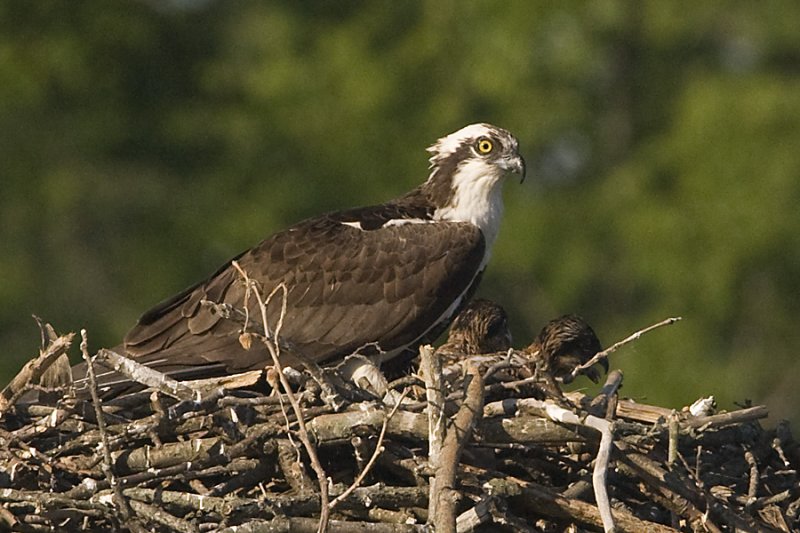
469,447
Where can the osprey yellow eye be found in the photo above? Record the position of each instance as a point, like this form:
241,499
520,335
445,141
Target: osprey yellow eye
485,146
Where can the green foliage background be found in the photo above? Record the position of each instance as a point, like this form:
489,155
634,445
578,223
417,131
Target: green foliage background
144,143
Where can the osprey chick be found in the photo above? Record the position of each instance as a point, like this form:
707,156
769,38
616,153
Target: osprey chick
565,343
480,328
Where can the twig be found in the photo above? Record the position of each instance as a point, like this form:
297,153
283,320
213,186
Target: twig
164,518
306,525
752,485
293,469
502,364
229,312
600,471
50,500
274,351
431,367
242,316
443,484
672,450
33,370
604,404
378,449
724,419
606,429
630,338
108,464
478,514
145,375
668,488
762,502
543,500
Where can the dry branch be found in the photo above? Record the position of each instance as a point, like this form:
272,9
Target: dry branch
145,375
617,345
273,347
444,496
121,503
33,370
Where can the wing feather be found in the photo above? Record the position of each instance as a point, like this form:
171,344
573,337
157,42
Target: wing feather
346,288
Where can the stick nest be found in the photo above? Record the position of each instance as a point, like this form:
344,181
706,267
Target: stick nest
232,458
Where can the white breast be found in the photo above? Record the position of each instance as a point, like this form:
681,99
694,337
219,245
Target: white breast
477,199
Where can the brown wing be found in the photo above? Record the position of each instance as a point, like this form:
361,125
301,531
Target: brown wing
347,287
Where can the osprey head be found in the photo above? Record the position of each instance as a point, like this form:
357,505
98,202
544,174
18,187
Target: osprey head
565,343
479,144
467,168
480,328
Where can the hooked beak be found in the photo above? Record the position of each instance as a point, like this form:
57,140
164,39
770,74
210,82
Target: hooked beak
514,164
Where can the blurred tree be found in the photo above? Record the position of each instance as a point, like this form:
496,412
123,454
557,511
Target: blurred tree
142,144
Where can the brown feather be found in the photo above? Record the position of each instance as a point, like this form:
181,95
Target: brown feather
375,296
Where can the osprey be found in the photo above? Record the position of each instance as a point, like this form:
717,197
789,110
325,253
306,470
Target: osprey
564,343
373,280
480,328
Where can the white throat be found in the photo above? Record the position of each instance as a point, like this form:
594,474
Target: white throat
477,199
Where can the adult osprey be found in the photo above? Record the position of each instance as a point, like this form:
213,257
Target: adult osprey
376,280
